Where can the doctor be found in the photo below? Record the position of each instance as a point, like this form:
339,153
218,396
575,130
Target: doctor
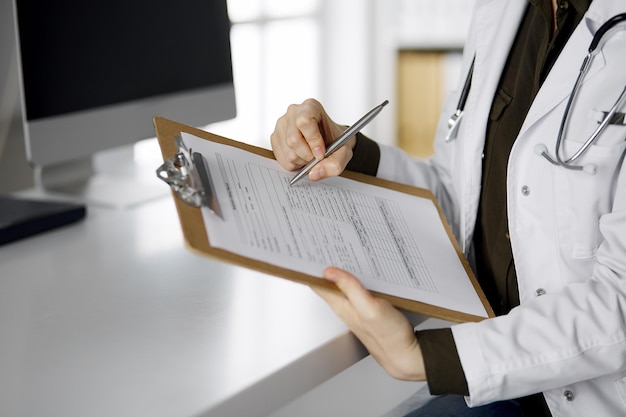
547,241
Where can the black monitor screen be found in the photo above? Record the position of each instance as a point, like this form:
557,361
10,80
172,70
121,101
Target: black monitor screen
78,54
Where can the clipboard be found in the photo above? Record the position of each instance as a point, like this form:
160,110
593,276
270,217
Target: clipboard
183,170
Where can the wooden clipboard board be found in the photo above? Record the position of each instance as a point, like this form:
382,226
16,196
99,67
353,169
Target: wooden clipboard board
197,240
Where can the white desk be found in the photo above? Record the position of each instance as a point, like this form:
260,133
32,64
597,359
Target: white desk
112,316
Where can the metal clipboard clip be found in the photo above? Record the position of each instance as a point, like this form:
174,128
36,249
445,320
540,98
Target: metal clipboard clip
187,173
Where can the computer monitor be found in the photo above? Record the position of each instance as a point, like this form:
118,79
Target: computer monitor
93,74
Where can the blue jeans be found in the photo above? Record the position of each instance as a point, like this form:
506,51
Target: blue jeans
455,406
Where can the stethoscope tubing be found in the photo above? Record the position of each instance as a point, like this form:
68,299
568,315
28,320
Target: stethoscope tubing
592,51
453,122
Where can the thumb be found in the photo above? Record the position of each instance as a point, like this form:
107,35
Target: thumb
335,164
351,287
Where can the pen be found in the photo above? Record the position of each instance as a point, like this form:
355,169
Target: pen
341,140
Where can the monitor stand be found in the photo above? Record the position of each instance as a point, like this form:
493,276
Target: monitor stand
108,179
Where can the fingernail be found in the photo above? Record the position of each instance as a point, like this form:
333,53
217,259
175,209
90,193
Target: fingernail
330,274
318,153
316,174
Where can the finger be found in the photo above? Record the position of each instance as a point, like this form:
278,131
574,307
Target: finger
351,287
308,121
293,132
332,297
297,144
290,148
332,166
339,304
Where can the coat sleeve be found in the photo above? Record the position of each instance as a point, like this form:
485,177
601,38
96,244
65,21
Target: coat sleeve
573,333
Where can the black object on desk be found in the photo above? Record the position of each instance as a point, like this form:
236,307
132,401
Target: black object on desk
20,218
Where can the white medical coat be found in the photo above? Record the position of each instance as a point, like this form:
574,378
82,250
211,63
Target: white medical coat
567,339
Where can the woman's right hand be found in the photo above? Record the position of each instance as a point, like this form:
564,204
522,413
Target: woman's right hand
303,133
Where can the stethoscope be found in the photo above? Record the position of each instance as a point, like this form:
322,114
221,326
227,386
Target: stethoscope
558,160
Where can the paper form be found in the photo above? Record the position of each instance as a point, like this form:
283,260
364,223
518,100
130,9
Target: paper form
395,243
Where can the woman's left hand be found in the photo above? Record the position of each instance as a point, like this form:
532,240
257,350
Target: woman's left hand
385,331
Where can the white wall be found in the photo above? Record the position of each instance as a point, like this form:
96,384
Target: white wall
361,39
342,52
359,63
328,52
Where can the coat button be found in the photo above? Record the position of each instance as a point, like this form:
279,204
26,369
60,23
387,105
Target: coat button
568,395
525,190
540,292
